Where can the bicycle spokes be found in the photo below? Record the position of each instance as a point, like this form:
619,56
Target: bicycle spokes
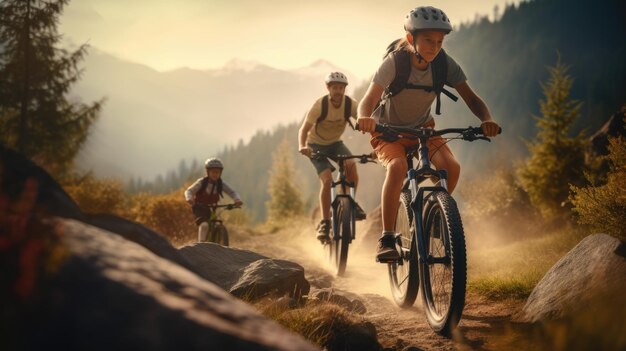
439,265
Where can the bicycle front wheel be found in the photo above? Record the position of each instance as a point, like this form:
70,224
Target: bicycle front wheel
340,240
403,275
443,271
220,235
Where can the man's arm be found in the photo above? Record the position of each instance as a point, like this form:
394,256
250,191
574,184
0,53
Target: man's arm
302,136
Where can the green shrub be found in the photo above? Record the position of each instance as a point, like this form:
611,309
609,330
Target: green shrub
604,206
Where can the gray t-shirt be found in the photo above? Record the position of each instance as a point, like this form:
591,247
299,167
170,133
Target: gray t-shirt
411,107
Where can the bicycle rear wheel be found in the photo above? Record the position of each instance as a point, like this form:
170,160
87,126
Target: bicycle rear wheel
443,272
220,235
403,275
340,240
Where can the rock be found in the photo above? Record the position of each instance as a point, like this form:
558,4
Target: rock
141,235
245,273
340,298
109,293
51,198
592,273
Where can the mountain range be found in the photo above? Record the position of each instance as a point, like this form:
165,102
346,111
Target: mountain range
151,120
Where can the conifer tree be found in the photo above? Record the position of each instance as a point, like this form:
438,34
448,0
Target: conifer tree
556,159
37,117
285,196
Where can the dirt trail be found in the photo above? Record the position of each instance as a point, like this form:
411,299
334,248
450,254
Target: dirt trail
485,324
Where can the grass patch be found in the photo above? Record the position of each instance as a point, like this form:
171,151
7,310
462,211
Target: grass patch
326,325
512,271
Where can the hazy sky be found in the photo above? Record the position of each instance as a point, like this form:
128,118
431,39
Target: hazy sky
167,34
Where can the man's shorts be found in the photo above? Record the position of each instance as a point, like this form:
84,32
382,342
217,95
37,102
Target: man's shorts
387,151
321,164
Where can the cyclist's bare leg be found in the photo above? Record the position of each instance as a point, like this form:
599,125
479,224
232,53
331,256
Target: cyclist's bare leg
326,178
351,173
396,172
444,159
203,230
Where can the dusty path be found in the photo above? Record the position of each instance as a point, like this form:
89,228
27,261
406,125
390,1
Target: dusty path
485,324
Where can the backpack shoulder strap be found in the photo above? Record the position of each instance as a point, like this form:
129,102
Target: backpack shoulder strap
203,185
324,109
347,111
402,62
440,74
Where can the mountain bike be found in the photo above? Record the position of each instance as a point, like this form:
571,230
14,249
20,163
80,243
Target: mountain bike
429,233
343,207
217,231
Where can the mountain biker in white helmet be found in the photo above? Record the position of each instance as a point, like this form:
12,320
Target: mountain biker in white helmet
321,131
207,191
426,28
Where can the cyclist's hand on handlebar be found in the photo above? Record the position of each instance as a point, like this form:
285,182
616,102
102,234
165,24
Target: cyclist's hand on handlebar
306,151
366,124
490,128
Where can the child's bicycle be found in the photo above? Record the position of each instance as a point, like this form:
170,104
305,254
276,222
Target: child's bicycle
429,234
343,207
217,231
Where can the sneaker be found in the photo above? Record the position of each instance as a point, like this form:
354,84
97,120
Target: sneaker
359,213
386,250
323,230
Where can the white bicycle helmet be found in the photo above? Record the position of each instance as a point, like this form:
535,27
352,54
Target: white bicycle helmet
427,18
213,162
336,77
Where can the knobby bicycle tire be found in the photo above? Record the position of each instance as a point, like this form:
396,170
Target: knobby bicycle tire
444,272
341,240
220,235
404,275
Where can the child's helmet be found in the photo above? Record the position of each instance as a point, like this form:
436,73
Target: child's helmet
427,18
213,162
336,77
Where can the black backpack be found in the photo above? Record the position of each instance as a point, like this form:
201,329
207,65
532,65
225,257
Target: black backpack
347,111
402,60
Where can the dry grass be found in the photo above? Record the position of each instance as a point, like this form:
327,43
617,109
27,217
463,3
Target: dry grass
512,270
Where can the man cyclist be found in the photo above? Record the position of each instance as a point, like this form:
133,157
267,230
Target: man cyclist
321,131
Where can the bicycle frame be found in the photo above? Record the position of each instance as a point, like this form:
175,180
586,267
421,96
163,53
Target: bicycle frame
335,199
416,176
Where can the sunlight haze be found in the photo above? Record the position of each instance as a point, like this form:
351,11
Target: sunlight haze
283,34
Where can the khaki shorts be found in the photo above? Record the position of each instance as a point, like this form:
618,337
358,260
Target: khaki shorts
322,164
387,151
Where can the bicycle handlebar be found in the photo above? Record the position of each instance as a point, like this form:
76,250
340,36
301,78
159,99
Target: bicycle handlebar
364,158
393,133
226,206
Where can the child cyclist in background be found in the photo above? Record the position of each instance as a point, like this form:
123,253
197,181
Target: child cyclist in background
410,106
207,191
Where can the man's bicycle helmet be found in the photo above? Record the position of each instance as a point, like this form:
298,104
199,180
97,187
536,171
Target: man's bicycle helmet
336,77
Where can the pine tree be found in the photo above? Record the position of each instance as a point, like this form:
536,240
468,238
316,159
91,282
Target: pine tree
36,116
556,160
285,197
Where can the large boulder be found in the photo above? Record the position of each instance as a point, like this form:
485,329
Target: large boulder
109,293
245,273
141,235
593,271
51,199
